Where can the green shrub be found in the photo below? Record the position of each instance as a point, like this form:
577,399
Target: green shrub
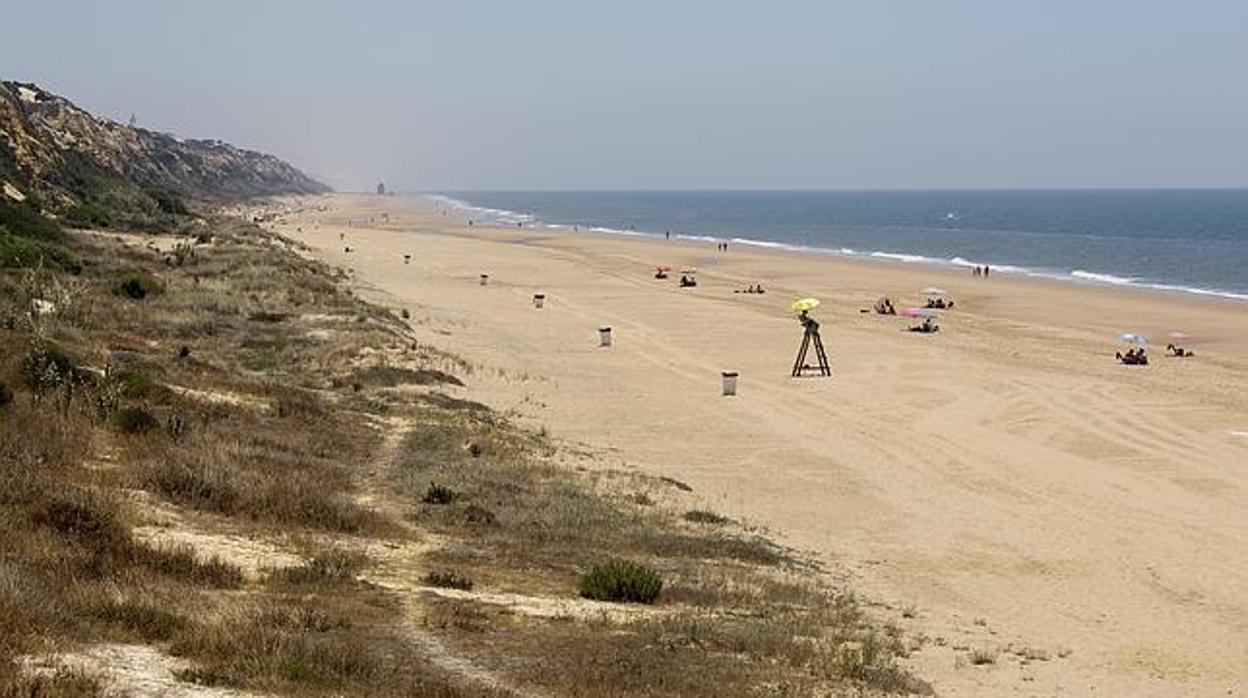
439,494
21,253
448,580
134,420
23,220
168,201
621,580
138,287
137,383
89,215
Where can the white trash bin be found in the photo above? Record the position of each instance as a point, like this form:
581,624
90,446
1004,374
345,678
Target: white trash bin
604,336
539,300
730,382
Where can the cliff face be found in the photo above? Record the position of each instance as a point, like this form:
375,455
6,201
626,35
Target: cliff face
71,158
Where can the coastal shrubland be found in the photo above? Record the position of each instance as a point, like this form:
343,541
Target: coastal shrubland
269,481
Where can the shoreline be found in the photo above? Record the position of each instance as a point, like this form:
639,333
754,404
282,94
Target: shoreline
503,218
1004,470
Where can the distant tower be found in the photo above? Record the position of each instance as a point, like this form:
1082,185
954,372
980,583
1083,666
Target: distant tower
381,189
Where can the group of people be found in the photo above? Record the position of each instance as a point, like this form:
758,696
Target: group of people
980,271
884,306
753,288
722,246
687,281
939,303
1134,357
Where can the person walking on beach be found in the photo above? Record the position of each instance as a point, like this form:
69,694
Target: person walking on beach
985,271
667,235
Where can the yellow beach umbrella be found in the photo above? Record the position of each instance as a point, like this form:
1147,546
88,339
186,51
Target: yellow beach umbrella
805,304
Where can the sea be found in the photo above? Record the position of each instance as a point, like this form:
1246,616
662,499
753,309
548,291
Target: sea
1188,241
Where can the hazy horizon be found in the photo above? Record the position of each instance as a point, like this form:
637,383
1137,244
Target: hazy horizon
647,96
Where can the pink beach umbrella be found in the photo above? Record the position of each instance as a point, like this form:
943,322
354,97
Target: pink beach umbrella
916,312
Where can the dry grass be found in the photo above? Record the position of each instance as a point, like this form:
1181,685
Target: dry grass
243,389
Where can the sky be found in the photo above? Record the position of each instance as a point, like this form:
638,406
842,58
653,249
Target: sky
641,94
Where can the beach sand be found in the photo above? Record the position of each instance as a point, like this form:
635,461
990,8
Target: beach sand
1005,481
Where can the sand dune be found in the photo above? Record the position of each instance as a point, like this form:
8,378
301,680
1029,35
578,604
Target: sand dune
1005,477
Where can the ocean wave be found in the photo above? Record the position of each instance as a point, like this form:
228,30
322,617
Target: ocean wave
1103,278
510,218
900,257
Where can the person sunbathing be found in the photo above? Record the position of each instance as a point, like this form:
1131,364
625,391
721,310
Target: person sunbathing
926,328
885,307
660,274
1133,357
1178,351
687,281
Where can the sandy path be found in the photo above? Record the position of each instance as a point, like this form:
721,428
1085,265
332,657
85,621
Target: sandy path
1005,471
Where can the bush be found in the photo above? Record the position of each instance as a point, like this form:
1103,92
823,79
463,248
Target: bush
46,366
180,561
134,420
20,253
85,517
138,287
705,517
448,580
621,580
168,201
86,215
137,383
197,484
439,494
149,623
331,566
24,221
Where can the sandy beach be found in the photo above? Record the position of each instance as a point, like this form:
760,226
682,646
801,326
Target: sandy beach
1002,484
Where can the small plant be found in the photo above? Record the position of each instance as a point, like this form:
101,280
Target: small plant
702,516
138,287
621,580
982,657
331,566
133,420
137,383
146,621
439,494
641,499
448,580
474,514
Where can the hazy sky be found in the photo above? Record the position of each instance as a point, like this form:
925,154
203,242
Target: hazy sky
692,95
